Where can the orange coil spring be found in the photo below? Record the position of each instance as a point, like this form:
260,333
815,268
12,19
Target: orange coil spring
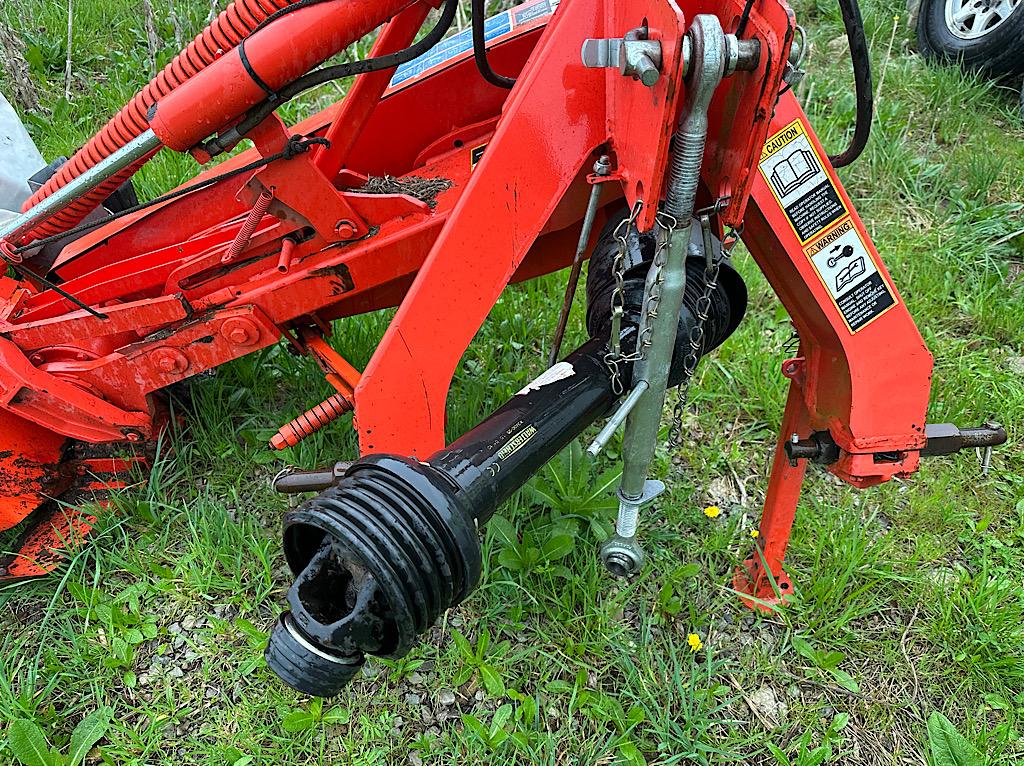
223,34
241,241
311,421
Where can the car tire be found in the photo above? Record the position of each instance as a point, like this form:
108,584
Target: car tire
985,35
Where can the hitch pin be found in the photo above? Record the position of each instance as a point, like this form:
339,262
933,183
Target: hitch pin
295,482
616,420
986,460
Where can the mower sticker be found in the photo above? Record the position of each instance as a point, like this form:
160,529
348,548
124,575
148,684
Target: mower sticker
496,26
529,12
849,273
796,175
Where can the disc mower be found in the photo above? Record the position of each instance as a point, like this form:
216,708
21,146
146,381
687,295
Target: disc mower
649,137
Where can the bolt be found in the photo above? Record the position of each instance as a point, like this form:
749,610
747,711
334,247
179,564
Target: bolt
646,70
132,435
626,523
240,331
345,229
170,360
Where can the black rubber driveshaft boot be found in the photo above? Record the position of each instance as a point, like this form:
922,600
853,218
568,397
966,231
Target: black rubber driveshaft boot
379,556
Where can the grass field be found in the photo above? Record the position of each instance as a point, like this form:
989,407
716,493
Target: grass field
909,597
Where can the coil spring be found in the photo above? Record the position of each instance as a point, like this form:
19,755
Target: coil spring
311,421
241,240
224,33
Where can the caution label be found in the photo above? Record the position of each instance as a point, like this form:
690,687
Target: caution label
850,275
475,155
796,175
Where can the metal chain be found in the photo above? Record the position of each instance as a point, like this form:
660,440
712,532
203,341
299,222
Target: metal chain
703,308
667,224
618,299
615,357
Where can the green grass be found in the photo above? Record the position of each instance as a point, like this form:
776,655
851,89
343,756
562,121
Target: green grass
909,597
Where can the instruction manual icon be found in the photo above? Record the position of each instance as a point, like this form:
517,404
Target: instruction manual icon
850,273
793,171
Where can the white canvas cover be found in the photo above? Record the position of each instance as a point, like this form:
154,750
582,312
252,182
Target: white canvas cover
19,159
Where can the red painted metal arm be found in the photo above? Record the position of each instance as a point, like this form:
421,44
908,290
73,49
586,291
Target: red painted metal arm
866,372
863,372
558,114
552,127
352,112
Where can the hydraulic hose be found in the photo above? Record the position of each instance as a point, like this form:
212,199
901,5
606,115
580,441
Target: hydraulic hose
326,74
479,13
233,24
858,41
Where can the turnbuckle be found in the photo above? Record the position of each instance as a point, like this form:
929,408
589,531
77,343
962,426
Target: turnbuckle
622,555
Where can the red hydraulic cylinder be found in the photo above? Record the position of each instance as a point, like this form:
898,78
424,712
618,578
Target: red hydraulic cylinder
277,54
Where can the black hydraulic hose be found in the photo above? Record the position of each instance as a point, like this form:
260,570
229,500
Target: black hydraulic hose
339,71
862,83
261,111
744,18
480,48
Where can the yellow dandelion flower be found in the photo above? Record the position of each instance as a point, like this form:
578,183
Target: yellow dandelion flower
711,511
755,533
695,643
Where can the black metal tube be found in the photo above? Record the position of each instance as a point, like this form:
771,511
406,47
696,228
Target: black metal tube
380,555
492,461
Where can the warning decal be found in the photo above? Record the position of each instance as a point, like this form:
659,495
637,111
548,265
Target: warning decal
849,273
795,174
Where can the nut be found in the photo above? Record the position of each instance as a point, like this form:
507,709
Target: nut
170,360
345,229
240,331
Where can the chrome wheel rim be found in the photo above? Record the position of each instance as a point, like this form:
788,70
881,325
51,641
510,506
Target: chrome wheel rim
971,19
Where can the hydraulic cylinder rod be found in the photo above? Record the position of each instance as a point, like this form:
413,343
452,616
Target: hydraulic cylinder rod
127,155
